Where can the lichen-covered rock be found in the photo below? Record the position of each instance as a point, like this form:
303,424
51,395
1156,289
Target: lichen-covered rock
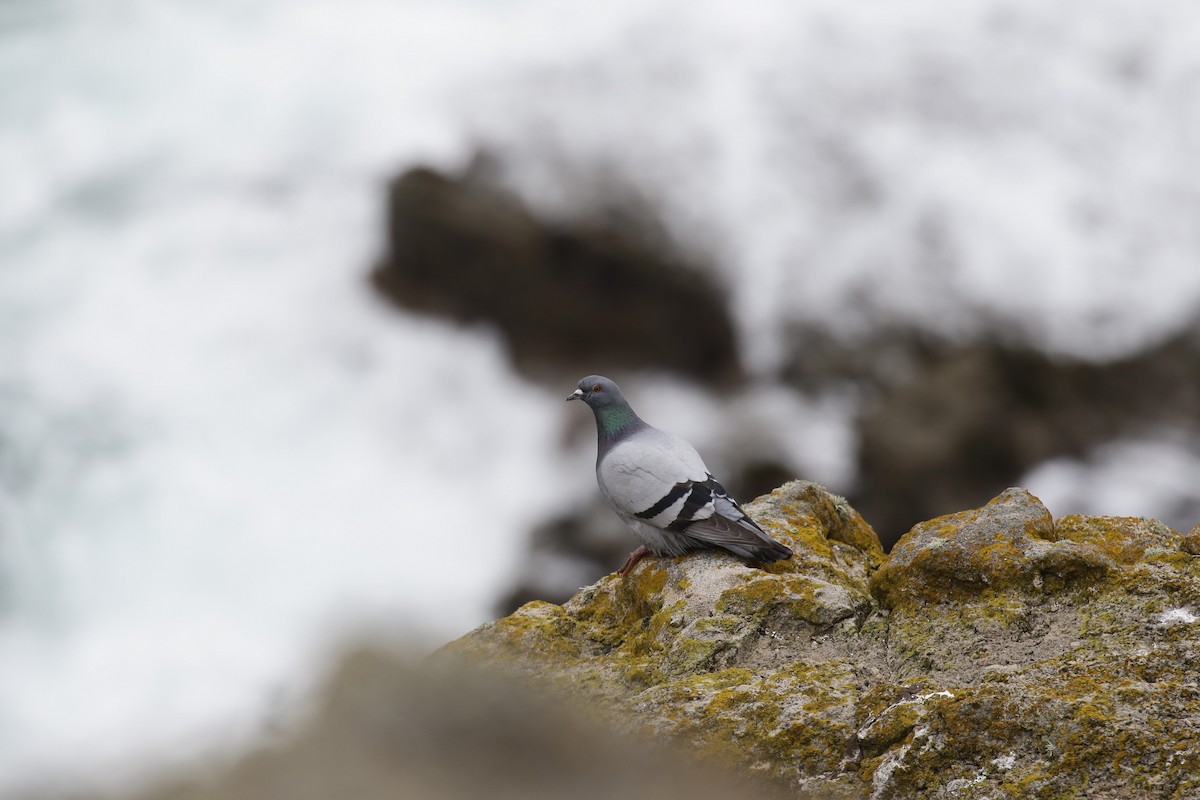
1067,653
997,653
704,646
1191,542
1010,543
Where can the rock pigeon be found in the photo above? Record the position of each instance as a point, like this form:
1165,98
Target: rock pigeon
659,486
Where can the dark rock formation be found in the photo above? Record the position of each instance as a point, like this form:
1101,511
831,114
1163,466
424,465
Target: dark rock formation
562,294
996,653
945,427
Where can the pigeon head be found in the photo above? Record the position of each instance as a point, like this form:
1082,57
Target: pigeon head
614,418
598,392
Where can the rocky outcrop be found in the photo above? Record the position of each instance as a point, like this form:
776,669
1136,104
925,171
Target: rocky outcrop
996,653
949,426
560,293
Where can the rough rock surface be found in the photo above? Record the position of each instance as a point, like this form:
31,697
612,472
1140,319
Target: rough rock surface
464,248
996,653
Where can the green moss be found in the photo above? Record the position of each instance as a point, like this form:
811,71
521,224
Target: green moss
754,600
944,572
795,597
539,627
1075,722
733,715
691,655
893,726
647,583
803,529
1124,540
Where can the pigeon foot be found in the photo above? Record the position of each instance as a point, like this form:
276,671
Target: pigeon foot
634,557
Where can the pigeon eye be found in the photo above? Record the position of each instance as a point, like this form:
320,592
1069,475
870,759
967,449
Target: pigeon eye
596,388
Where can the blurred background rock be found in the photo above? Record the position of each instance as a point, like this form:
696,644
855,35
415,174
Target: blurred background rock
291,295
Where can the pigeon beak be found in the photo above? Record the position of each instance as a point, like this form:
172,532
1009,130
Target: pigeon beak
575,395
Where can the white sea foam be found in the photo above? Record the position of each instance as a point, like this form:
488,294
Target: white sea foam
953,165
1157,475
218,449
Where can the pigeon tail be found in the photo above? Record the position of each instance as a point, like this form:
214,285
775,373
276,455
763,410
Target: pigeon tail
740,537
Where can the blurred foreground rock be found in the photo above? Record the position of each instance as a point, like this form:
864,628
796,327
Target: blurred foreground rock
561,294
996,653
388,730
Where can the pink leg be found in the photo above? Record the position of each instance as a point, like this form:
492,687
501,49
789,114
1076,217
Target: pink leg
634,557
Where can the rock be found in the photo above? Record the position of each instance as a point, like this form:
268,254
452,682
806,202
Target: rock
1068,653
698,647
947,427
995,653
1010,543
388,729
466,249
876,361
1191,542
